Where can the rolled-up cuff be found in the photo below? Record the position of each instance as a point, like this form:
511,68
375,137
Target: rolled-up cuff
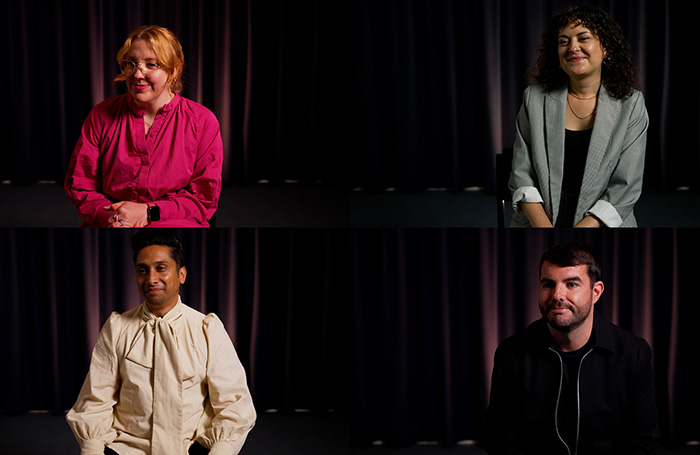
605,212
525,194
92,447
221,448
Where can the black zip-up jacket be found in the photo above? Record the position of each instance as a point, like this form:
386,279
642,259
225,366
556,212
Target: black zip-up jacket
616,404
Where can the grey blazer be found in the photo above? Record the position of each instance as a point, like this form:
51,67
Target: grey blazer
612,179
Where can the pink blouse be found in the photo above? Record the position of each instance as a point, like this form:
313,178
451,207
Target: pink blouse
177,166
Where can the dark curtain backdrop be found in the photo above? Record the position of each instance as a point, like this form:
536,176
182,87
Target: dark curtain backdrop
281,294
267,69
429,308
440,84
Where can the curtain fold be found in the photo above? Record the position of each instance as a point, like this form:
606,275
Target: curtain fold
280,293
267,70
440,85
431,306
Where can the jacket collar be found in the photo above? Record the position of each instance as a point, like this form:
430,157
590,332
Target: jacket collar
555,107
601,336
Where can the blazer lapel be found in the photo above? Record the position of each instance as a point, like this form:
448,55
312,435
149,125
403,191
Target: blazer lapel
555,118
606,118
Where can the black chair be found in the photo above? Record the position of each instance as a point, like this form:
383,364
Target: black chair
504,162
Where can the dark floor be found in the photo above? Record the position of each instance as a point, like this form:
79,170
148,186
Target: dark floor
478,209
471,450
274,434
294,205
290,205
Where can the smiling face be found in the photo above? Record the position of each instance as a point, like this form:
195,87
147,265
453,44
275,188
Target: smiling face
580,52
566,296
158,278
149,90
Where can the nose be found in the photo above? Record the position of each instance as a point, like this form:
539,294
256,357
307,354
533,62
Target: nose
138,70
152,277
573,46
559,292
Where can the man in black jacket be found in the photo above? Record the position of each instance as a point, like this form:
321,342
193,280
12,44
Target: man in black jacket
571,382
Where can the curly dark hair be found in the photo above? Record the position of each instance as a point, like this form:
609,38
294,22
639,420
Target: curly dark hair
619,74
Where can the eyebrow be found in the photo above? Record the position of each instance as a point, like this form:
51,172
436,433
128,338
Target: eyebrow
142,264
131,57
572,278
578,34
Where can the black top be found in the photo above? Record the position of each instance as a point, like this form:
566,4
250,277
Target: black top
575,153
616,390
567,417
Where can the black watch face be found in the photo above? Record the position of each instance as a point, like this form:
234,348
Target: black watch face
154,213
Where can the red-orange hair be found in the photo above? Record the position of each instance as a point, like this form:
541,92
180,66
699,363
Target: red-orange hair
167,48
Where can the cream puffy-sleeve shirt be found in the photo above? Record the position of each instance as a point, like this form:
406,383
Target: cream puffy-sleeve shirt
115,405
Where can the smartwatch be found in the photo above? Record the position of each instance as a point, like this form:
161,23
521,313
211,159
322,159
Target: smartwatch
153,212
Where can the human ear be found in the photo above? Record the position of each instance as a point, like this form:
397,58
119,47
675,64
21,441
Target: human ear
597,290
183,274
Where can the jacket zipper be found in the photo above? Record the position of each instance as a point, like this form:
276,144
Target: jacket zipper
578,398
556,409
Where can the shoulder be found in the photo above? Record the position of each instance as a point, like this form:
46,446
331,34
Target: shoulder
117,323
633,102
534,93
636,103
107,111
524,340
625,343
110,106
197,112
208,321
627,339
191,314
212,323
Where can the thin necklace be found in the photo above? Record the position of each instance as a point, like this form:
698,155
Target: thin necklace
582,99
576,115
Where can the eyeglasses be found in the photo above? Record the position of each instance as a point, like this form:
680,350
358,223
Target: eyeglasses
128,67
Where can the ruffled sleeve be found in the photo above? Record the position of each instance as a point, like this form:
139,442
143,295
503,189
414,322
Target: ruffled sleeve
92,415
234,414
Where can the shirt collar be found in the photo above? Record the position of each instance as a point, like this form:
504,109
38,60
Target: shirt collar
140,112
600,335
170,316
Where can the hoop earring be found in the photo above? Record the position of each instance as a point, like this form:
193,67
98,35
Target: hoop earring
607,61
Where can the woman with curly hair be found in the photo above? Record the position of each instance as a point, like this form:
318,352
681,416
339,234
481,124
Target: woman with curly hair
578,157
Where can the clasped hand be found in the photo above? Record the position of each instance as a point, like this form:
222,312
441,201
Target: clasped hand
128,214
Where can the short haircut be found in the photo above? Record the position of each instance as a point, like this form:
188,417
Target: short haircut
167,48
162,237
572,254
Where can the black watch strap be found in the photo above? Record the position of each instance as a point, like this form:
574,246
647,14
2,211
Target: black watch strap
153,213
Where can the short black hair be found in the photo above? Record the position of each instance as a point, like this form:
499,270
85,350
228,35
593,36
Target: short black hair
163,237
572,254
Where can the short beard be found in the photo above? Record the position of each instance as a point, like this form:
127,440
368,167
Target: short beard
576,322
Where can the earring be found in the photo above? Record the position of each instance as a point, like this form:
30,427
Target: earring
607,61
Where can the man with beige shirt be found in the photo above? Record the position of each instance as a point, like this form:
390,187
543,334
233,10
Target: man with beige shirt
164,378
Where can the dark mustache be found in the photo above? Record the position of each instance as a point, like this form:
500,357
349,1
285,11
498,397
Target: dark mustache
559,304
